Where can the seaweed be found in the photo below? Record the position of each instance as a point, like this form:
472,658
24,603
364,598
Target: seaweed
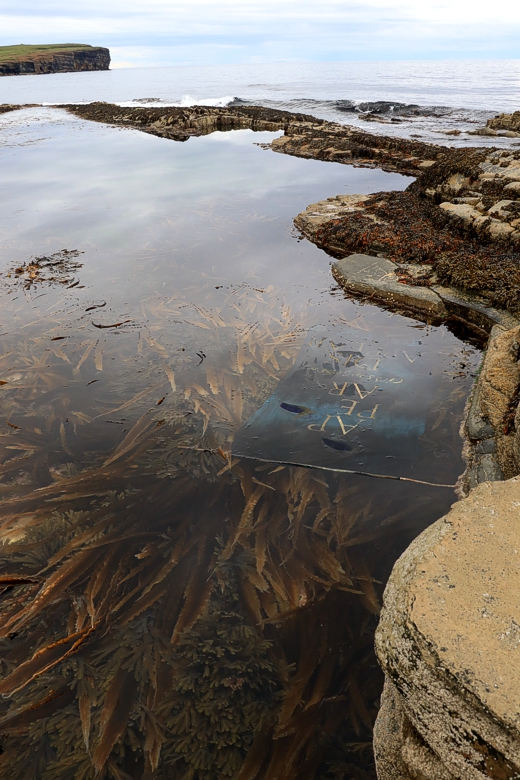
167,610
57,268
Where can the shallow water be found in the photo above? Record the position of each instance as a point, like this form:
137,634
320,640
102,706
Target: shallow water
154,296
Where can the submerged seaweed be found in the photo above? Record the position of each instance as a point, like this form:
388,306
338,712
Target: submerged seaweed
168,611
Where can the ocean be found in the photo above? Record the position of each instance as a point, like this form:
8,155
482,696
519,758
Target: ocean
421,99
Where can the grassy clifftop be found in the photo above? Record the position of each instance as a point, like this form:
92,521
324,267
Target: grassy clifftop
25,51
27,59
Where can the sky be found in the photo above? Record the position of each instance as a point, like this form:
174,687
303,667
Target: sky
189,32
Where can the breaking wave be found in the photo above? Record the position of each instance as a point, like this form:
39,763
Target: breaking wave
185,102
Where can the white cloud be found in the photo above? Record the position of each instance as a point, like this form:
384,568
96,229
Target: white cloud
271,28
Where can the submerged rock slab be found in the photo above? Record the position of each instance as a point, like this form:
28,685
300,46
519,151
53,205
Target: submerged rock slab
449,643
407,286
378,278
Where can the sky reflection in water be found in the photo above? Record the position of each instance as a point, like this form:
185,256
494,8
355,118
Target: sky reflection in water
124,382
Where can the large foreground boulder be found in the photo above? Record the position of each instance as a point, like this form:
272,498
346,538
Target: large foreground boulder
449,643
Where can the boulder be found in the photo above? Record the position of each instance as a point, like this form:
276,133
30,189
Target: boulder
449,643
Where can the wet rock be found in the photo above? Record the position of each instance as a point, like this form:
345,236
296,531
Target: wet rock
491,427
474,309
487,131
476,426
378,279
489,469
449,643
182,123
486,446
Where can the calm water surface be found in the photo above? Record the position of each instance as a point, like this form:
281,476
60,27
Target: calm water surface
170,610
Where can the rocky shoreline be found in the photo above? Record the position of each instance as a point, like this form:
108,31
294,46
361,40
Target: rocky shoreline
460,220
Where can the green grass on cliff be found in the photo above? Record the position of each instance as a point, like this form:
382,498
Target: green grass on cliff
23,51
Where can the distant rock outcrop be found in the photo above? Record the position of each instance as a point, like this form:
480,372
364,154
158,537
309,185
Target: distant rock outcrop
503,125
62,58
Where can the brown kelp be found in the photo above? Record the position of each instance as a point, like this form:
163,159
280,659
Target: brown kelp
167,610
166,631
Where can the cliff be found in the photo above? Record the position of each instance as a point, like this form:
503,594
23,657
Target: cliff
52,58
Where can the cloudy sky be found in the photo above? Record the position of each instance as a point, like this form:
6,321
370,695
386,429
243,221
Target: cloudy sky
164,32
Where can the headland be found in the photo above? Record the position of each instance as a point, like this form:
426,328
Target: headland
52,58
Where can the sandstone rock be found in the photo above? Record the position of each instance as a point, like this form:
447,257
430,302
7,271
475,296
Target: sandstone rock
473,309
317,214
512,172
461,210
377,278
498,208
449,643
505,122
61,59
500,376
483,131
457,182
512,187
499,383
500,231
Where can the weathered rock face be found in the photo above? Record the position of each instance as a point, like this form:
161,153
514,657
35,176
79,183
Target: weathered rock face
499,386
91,58
503,125
449,643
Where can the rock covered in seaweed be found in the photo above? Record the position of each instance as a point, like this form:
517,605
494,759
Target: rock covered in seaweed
461,217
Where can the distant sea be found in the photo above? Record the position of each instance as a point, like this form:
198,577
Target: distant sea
408,98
